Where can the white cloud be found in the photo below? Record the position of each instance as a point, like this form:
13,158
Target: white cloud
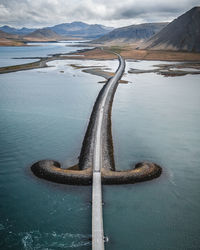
39,13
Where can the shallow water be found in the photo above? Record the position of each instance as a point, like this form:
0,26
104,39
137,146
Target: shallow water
44,114
8,55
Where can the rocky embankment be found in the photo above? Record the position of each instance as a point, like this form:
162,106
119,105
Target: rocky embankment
82,173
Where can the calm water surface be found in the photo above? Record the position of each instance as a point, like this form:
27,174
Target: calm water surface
44,114
11,55
157,119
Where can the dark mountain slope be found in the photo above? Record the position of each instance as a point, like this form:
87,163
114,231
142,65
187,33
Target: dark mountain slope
132,33
80,29
182,34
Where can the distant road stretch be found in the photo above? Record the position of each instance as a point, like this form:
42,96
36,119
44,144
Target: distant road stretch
102,111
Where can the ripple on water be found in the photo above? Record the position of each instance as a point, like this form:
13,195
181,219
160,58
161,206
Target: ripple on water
35,239
38,240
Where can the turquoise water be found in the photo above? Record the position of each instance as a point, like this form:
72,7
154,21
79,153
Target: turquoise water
44,114
157,119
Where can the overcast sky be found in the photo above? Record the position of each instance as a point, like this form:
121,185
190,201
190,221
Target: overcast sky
116,13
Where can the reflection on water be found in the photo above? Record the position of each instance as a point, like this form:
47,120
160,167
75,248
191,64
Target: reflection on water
154,118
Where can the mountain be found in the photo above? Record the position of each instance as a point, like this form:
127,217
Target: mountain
80,29
132,33
66,28
42,35
182,34
74,29
11,30
7,39
7,35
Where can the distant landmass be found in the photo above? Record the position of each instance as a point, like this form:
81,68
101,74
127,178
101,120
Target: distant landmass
7,35
14,31
7,39
42,35
131,34
80,29
182,34
74,29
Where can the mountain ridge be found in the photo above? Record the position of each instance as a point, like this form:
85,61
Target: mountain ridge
182,34
42,35
7,39
131,33
15,31
76,29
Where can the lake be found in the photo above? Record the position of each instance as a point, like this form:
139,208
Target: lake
44,114
11,55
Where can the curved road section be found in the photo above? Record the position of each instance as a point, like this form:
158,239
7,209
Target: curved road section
97,217
101,115
96,154
96,162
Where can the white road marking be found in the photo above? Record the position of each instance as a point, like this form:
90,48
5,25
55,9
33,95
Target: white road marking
97,218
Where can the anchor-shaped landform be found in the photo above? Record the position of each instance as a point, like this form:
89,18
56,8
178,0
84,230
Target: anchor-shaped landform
98,146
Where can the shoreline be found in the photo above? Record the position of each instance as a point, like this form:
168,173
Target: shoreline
26,66
104,53
107,54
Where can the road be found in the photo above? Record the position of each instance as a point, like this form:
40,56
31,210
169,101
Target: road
97,215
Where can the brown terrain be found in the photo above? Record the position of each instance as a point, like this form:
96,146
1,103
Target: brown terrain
42,35
9,42
9,39
193,59
135,54
185,42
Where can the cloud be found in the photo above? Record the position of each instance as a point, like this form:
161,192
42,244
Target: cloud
39,13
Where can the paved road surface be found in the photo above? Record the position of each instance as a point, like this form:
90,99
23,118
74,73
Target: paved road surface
97,217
